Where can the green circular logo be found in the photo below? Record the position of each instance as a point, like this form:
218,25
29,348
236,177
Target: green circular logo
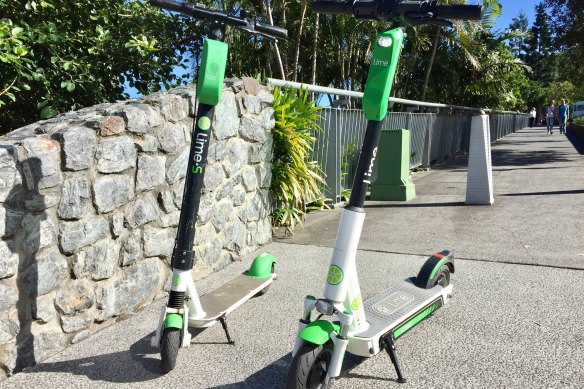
175,279
335,275
204,123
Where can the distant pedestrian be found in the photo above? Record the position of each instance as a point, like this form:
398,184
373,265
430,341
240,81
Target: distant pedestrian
532,115
550,112
563,113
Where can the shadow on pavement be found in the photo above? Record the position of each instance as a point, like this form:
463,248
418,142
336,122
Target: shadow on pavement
135,365
526,158
274,375
419,205
576,141
560,192
271,376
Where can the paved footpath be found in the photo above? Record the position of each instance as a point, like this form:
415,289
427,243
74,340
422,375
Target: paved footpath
516,319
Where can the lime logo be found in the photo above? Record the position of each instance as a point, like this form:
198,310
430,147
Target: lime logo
214,68
335,275
204,123
175,279
356,302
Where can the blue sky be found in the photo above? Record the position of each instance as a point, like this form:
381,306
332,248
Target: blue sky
511,9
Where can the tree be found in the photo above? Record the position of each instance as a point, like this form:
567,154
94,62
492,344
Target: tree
568,28
59,55
540,55
519,27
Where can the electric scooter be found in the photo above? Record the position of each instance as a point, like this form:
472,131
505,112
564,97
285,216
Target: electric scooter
185,309
344,322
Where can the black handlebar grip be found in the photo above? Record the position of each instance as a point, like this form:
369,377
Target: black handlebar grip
459,11
333,7
165,4
276,32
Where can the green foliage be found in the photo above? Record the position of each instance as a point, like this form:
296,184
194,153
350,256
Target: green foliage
579,120
59,55
296,181
558,90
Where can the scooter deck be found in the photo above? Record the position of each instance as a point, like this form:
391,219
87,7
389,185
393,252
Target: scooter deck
392,310
228,297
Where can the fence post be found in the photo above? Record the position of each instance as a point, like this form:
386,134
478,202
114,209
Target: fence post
427,143
333,161
479,183
393,181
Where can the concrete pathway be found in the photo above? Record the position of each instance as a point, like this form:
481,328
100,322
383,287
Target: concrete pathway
516,319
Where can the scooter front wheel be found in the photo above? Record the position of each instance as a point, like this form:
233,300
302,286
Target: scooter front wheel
310,366
169,345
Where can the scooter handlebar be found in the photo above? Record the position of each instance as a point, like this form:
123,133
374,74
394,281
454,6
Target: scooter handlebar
384,9
273,31
235,21
459,11
333,7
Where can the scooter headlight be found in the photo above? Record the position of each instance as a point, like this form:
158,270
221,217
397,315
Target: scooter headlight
325,307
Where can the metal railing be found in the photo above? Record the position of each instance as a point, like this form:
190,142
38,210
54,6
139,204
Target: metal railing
434,137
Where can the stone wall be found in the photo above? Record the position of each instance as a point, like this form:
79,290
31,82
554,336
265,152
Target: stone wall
90,204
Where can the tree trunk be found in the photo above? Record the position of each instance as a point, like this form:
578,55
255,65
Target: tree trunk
315,39
278,57
297,55
431,62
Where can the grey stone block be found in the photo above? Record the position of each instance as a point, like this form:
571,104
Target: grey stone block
116,154
78,144
45,273
151,170
112,191
75,199
130,288
143,210
9,174
78,296
158,242
226,120
72,324
8,296
252,129
238,156
44,159
74,235
8,259
171,138
98,261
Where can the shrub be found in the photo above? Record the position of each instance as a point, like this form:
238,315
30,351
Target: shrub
296,181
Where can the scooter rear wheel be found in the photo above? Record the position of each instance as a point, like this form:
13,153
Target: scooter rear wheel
310,366
169,345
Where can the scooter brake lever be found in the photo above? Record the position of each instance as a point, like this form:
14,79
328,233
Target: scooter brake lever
416,21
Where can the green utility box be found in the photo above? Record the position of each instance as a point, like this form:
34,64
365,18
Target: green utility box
393,181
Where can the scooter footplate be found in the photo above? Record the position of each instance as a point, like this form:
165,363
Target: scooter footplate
229,296
394,305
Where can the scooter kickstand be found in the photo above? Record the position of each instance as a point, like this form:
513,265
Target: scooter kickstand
390,348
223,321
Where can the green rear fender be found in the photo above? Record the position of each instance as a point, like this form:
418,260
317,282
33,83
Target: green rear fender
319,332
262,266
173,320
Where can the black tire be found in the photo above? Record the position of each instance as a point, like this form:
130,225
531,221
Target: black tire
423,279
265,290
169,346
309,366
